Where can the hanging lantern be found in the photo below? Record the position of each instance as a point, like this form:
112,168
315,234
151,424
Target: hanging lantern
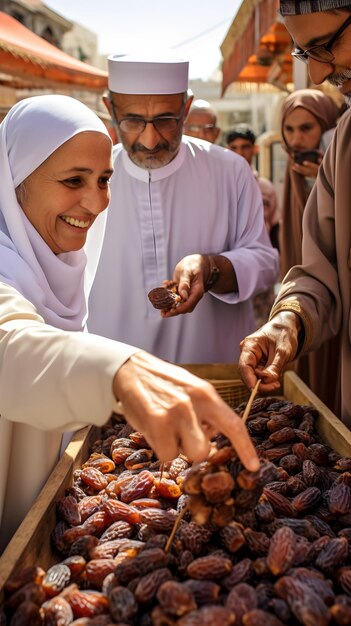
264,56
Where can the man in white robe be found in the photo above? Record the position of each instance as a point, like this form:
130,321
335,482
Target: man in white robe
180,209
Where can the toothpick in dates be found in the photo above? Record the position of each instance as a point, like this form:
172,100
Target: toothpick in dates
250,401
175,528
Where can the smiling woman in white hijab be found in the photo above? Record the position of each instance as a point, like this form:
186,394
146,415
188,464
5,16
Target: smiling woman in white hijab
30,133
34,130
55,164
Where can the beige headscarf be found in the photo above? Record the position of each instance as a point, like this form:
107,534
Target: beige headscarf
296,191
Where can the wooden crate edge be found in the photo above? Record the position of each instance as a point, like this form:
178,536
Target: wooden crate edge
330,427
28,539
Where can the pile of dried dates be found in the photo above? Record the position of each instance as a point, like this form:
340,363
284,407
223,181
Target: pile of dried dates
269,548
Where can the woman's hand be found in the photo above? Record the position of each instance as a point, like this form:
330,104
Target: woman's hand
307,168
265,353
177,411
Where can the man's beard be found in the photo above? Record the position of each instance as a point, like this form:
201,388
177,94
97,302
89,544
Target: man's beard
159,156
162,154
338,79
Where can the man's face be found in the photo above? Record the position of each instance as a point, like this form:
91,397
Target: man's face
244,147
301,130
201,124
315,29
151,148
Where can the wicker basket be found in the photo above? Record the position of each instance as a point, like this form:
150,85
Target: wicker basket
225,378
232,391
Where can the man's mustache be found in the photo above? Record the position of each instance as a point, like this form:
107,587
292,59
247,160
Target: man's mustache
138,147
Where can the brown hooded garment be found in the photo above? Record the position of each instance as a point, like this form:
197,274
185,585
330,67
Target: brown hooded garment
320,289
296,189
320,369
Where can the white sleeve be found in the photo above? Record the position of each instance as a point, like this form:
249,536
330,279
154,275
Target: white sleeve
255,261
51,378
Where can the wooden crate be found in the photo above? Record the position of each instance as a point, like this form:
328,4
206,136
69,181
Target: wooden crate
330,428
31,543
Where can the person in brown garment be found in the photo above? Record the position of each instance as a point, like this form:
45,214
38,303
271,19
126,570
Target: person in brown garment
314,302
307,115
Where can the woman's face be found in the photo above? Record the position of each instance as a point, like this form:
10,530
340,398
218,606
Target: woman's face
301,130
65,194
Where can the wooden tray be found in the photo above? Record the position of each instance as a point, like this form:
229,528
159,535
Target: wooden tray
31,543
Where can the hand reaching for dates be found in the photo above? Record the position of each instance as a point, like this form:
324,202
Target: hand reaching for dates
177,411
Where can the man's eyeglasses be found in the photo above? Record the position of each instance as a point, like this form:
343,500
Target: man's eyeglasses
322,53
199,127
137,125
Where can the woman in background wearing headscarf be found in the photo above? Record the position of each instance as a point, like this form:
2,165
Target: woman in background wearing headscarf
55,166
308,115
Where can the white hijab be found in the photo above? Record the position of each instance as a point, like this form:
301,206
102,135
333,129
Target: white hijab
32,130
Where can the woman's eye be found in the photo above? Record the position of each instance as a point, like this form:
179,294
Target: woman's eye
105,181
72,181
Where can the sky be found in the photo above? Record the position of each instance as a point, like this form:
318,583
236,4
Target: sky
194,29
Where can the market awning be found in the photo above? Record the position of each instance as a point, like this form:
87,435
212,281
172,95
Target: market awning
31,61
257,46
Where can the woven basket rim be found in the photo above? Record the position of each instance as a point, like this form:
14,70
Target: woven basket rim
232,390
230,382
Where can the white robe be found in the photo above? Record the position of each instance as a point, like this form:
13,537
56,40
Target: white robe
50,381
204,201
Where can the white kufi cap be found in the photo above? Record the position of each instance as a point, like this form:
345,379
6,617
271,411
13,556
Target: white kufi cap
132,74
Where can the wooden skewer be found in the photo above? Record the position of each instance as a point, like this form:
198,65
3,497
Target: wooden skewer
175,528
161,468
250,401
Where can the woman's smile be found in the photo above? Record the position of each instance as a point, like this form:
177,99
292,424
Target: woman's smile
72,221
